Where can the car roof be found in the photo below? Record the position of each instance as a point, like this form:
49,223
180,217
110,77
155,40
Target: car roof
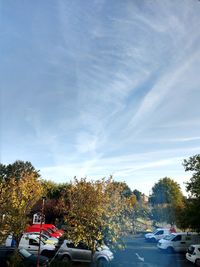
196,245
158,229
31,234
185,233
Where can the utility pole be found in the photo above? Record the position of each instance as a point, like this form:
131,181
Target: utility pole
41,221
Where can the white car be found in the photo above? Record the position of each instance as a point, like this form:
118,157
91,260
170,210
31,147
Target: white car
31,243
193,254
45,238
178,242
158,234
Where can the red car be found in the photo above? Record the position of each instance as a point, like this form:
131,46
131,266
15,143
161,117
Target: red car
47,231
53,228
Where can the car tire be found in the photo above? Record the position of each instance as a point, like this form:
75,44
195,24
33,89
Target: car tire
197,262
102,263
66,259
170,250
152,240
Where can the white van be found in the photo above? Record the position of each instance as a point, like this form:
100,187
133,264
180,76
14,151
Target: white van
31,243
178,242
158,234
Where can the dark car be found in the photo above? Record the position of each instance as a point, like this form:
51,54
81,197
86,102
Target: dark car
26,258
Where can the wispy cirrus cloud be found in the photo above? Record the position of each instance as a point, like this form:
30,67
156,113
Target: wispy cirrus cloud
109,87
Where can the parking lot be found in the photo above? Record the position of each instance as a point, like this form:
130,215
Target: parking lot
140,253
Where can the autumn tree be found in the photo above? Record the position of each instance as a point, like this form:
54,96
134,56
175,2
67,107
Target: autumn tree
166,199
54,208
17,197
97,211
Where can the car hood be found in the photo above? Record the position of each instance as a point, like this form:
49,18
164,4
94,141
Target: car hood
48,247
163,241
149,235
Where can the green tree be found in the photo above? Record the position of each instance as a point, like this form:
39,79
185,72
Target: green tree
192,207
126,191
193,165
16,170
138,194
166,200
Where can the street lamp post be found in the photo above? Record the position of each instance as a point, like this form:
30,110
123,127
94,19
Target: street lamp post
41,220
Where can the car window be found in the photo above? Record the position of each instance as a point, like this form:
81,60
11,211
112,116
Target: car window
169,237
188,238
82,246
159,232
33,242
70,245
177,238
191,249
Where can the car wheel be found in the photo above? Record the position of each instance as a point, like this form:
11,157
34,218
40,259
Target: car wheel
102,263
66,259
197,262
170,250
152,240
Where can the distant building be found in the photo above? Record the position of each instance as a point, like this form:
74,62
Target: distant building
37,218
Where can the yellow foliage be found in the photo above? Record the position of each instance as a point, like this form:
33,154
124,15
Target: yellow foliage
97,211
17,197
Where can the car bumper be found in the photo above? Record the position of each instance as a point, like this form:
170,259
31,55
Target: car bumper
189,258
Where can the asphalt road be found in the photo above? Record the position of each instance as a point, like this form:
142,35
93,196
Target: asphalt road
139,253
142,254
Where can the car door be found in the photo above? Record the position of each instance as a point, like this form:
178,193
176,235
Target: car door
81,253
179,243
159,235
33,246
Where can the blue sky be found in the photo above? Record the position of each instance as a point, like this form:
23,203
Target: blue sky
101,87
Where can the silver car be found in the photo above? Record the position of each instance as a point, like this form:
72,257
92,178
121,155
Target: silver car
68,252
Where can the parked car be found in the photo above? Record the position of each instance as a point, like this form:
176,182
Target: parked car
26,258
46,239
193,254
53,228
50,227
36,228
178,242
68,252
31,243
158,234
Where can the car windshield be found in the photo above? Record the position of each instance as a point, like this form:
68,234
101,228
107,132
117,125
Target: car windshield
169,237
49,231
46,233
156,231
38,239
191,249
43,238
24,253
